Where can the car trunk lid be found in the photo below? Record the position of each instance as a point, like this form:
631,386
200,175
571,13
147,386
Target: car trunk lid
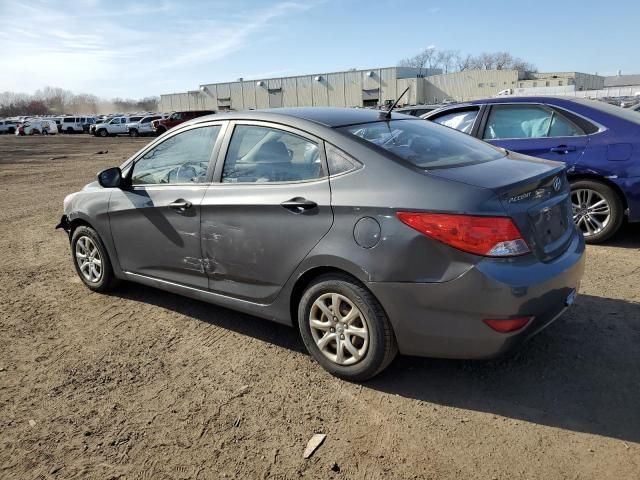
534,193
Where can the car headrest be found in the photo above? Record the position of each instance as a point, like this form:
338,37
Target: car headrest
273,151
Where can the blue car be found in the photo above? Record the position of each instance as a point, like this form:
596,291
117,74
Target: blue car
599,142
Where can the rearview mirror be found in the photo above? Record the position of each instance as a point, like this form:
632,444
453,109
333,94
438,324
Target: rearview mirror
110,178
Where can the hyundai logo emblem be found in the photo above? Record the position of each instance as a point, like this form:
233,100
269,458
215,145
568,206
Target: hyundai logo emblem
557,183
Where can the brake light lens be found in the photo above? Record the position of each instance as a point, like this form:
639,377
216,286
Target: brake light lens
487,236
507,325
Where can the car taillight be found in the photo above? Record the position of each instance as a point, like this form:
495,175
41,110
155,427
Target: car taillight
488,236
506,325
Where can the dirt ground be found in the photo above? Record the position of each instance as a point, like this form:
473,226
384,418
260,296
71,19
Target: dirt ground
142,384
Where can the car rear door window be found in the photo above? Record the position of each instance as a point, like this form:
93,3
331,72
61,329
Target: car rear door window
461,120
258,154
182,158
527,121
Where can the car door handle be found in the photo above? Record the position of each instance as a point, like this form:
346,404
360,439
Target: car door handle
563,149
180,205
299,205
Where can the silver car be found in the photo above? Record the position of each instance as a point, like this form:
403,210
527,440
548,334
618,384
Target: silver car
370,232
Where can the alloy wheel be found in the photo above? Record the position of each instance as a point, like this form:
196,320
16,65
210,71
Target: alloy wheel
88,259
339,329
591,211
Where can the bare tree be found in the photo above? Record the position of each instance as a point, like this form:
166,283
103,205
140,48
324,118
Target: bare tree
451,61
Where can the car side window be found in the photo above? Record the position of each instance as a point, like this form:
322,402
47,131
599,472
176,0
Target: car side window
527,121
461,120
339,162
262,154
182,158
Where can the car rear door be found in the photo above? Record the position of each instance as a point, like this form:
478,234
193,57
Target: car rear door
268,207
533,129
155,223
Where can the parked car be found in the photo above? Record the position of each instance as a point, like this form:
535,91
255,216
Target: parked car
143,126
418,110
599,142
176,118
8,126
42,126
115,126
74,124
370,235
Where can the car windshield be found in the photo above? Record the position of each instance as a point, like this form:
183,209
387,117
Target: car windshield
424,144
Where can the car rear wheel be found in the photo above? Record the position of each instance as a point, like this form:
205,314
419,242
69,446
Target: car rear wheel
597,210
345,329
12,131
91,260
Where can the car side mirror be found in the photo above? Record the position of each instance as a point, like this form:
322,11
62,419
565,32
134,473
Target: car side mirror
110,178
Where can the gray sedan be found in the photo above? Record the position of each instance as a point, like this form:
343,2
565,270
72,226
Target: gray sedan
371,233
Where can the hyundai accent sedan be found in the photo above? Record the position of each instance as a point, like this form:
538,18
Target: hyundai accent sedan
600,143
370,232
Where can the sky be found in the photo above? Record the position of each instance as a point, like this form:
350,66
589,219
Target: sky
133,49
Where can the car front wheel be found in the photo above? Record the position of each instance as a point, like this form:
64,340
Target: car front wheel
597,210
345,329
91,260
103,133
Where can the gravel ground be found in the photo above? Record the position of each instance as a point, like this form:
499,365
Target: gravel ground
143,384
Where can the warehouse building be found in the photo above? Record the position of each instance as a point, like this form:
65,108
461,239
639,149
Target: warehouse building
353,88
369,88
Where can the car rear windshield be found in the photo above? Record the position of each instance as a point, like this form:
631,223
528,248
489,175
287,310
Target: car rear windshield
425,144
624,113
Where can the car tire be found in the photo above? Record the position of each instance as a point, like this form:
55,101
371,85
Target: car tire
160,131
86,239
371,355
588,212
103,133
69,131
133,133
34,131
12,131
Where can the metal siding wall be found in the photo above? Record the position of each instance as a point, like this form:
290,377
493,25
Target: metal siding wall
249,94
237,102
335,87
320,91
211,96
305,91
370,83
388,85
410,98
289,92
275,83
353,89
262,95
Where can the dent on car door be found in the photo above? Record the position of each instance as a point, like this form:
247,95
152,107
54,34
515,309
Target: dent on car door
269,208
536,130
155,223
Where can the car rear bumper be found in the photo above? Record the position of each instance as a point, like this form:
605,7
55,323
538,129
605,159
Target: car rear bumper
446,319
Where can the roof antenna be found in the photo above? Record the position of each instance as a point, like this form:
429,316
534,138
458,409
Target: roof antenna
387,114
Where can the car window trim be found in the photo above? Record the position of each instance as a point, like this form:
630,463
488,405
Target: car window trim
547,106
129,164
222,154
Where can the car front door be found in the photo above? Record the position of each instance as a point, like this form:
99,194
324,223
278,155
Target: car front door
155,223
268,207
536,130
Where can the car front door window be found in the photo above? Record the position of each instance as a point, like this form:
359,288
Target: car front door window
527,121
182,158
260,154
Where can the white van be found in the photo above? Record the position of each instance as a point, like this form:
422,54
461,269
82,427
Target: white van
76,124
8,126
37,126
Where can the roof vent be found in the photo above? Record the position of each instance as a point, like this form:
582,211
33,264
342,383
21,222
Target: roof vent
318,78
